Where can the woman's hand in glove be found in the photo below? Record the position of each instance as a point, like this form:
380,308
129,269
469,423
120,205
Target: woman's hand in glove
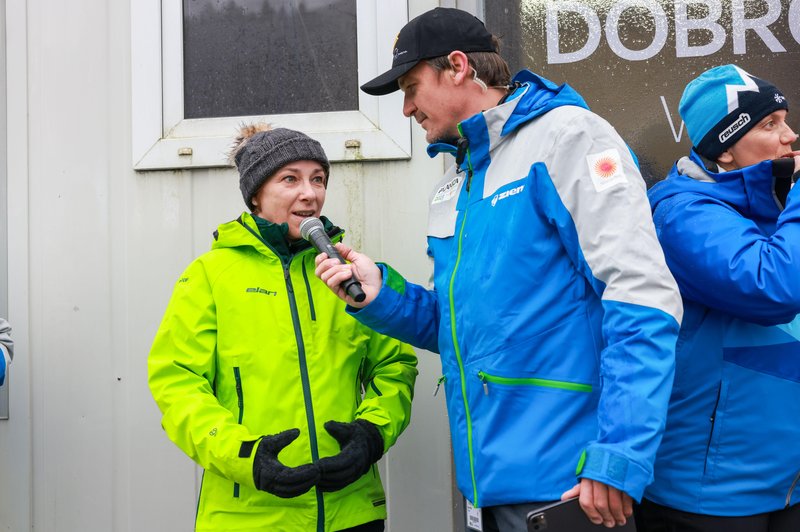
362,446
272,476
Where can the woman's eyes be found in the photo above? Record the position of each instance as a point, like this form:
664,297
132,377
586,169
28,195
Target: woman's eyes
293,178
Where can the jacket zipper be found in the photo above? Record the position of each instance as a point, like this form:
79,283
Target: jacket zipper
712,419
791,490
456,348
462,147
531,381
308,291
438,384
301,352
361,389
237,376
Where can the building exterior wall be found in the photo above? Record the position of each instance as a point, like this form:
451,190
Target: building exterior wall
94,248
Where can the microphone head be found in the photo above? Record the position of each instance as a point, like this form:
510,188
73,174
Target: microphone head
308,225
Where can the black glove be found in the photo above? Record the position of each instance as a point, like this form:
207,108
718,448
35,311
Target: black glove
785,177
272,476
362,446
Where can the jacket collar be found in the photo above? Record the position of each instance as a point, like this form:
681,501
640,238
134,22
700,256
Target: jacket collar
266,237
532,96
750,190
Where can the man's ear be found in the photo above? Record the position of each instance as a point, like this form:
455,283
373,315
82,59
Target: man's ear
725,158
459,64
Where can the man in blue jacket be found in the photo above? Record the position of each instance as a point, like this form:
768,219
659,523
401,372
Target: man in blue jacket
6,348
729,222
553,310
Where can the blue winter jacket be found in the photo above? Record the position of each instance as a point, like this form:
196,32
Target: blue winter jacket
553,309
6,348
732,441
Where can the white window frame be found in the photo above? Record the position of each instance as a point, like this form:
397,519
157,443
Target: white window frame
163,139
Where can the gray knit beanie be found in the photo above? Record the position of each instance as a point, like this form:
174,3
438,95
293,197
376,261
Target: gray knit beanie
260,153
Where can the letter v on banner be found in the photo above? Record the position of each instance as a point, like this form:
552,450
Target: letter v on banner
677,136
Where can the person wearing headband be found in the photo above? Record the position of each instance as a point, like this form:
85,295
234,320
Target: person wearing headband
728,219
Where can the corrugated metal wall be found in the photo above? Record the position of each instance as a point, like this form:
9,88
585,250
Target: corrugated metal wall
94,249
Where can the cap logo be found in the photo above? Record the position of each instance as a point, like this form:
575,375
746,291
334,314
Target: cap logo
397,53
729,131
779,98
733,90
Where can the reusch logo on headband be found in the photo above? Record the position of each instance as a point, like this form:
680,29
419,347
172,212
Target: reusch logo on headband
729,131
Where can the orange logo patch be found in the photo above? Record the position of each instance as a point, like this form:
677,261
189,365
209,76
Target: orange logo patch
605,167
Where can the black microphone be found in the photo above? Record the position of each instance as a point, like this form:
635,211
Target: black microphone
312,230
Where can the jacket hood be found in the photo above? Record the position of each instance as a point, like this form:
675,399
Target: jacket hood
750,190
533,96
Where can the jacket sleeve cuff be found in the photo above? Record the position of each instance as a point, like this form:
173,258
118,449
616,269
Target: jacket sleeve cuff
385,303
597,463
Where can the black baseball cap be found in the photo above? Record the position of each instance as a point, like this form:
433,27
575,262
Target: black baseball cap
432,34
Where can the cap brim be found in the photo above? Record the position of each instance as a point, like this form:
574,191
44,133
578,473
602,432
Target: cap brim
386,83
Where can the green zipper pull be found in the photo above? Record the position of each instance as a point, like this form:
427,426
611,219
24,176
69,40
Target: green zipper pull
438,383
482,377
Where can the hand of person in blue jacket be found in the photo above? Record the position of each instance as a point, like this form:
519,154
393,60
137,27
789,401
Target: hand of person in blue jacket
362,446
272,476
333,273
603,504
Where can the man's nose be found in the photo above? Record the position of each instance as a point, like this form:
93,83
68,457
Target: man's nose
408,107
788,136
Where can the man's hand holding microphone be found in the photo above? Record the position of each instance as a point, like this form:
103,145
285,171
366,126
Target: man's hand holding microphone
352,276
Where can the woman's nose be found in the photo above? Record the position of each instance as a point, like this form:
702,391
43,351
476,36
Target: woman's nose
306,189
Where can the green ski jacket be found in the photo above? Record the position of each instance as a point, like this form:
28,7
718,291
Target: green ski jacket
252,344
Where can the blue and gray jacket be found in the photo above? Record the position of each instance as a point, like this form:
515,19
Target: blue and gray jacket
732,441
553,309
6,348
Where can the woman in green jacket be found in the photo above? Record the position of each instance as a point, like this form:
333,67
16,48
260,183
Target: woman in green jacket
262,378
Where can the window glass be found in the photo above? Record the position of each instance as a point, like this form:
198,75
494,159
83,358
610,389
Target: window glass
263,57
295,64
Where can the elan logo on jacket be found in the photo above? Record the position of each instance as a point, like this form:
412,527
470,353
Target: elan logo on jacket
506,194
262,291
